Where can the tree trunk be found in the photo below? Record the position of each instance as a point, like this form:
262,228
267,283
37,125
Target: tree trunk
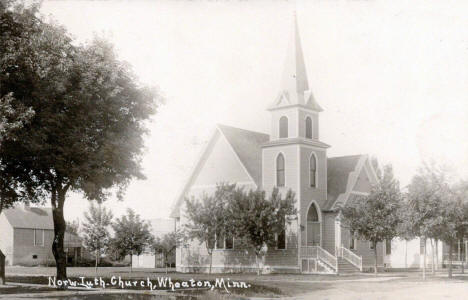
375,258
97,261
2,257
432,253
406,254
131,261
258,263
462,258
450,260
58,201
211,261
424,259
437,254
165,261
2,268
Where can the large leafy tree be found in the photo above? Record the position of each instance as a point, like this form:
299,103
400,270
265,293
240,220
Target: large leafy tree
376,217
206,217
86,134
255,220
96,237
13,114
132,236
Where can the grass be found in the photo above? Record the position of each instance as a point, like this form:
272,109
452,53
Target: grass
265,285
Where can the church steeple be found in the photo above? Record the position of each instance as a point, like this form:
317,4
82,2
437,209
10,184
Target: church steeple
294,86
294,73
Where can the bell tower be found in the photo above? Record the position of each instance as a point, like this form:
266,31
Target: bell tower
295,106
295,158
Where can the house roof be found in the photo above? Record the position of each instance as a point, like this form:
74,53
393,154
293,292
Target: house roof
248,147
30,217
37,218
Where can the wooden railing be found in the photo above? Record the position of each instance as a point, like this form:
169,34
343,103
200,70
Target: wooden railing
308,252
327,258
351,257
318,252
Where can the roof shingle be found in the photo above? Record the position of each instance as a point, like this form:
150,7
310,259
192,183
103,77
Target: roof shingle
30,217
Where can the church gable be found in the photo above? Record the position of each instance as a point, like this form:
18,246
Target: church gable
232,155
220,165
363,183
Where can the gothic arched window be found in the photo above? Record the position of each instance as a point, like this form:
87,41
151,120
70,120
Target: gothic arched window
308,124
312,214
283,127
313,170
280,170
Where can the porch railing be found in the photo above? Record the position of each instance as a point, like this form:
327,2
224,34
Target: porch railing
318,252
308,252
351,257
328,258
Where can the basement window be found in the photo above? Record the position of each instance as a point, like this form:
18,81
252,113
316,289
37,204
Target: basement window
34,256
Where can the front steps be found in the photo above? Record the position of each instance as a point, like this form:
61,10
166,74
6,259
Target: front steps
345,267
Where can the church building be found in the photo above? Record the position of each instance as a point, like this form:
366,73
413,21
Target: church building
292,156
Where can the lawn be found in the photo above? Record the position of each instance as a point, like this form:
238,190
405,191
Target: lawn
401,285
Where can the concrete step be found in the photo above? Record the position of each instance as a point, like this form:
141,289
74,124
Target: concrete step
346,267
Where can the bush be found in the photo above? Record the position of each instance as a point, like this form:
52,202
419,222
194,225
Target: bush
87,262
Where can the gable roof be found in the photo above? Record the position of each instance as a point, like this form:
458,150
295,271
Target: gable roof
30,217
38,218
342,171
338,172
247,145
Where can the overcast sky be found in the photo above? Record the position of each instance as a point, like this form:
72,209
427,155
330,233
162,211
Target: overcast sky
392,77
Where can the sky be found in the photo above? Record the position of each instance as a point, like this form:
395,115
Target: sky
391,76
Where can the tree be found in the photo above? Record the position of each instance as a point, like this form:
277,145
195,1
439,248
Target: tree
73,227
96,230
13,116
424,206
131,236
255,220
453,221
167,244
86,134
206,217
376,217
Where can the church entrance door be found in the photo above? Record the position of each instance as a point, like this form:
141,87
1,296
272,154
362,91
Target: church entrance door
313,226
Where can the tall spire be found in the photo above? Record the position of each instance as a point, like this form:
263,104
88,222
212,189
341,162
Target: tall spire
294,73
294,86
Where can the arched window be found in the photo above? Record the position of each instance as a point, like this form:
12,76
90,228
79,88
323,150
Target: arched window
313,170
308,124
312,215
280,170
283,127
